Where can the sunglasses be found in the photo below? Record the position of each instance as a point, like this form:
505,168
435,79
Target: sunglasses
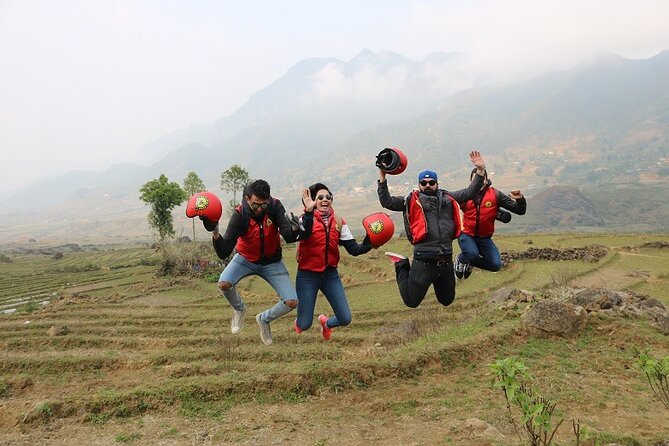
256,206
324,197
427,182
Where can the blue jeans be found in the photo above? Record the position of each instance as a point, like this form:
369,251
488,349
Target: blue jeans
308,284
480,252
274,273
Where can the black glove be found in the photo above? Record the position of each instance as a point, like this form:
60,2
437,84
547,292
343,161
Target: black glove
209,225
295,223
503,216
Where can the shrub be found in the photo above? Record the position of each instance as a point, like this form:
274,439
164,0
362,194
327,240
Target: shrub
180,259
657,374
536,411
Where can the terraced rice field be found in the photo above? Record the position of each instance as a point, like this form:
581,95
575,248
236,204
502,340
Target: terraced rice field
151,360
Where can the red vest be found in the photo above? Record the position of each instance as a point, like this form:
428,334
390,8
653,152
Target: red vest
259,240
479,220
321,248
416,222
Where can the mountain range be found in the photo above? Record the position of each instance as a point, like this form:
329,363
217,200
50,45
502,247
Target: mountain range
603,121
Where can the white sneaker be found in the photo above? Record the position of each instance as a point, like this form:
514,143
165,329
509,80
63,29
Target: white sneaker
237,320
265,331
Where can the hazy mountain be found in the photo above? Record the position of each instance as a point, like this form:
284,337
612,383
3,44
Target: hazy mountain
608,111
332,98
121,178
605,120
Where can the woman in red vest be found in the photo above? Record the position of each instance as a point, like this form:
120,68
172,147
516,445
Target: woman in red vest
318,258
479,214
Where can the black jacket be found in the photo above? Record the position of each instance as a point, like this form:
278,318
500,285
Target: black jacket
440,225
236,226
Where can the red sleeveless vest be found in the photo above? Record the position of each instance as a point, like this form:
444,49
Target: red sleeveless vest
316,252
259,240
479,220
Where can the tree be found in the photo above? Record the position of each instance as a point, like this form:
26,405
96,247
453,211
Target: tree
163,196
192,185
234,179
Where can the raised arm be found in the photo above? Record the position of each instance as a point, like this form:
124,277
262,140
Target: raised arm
288,232
386,200
470,192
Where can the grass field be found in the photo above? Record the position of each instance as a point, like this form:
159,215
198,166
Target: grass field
151,360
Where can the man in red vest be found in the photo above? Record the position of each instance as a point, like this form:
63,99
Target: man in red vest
479,214
432,222
254,230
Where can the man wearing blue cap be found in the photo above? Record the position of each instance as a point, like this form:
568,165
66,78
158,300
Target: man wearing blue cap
431,221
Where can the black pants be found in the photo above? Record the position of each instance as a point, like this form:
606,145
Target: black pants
415,279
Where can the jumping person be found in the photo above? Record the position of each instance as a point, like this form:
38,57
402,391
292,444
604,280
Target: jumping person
318,258
432,221
478,249
254,229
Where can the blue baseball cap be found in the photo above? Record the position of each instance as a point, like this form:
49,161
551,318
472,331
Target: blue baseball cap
428,174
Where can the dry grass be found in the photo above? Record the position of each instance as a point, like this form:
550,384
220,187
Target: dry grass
160,354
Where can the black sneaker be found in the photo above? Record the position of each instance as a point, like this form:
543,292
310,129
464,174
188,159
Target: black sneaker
468,271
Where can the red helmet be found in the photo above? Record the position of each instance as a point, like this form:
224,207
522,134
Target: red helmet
379,227
392,161
204,204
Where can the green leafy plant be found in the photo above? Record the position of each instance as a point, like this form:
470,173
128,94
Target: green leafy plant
192,185
536,412
657,374
233,180
127,438
163,196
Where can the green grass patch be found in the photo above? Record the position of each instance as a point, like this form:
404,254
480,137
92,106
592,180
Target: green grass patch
127,438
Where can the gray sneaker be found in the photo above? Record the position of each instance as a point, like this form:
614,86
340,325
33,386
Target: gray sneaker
237,320
265,331
460,268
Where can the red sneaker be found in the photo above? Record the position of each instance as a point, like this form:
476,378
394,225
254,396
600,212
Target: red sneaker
297,329
394,257
325,330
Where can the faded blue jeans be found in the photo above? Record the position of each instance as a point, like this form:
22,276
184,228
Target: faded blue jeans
274,273
308,283
480,252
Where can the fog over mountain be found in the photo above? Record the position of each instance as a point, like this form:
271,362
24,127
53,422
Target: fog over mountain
338,97
605,119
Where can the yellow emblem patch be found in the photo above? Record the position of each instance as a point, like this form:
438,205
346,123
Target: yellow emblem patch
201,203
376,226
488,204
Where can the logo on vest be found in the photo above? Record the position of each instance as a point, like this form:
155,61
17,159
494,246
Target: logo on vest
201,203
376,226
488,204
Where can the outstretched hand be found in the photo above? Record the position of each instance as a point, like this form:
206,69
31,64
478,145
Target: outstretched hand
515,194
308,203
477,159
211,226
295,223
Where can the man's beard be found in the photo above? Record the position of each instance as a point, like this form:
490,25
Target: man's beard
430,192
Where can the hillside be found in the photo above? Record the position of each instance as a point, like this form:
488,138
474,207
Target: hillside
604,121
101,350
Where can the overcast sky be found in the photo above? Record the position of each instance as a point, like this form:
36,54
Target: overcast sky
86,83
